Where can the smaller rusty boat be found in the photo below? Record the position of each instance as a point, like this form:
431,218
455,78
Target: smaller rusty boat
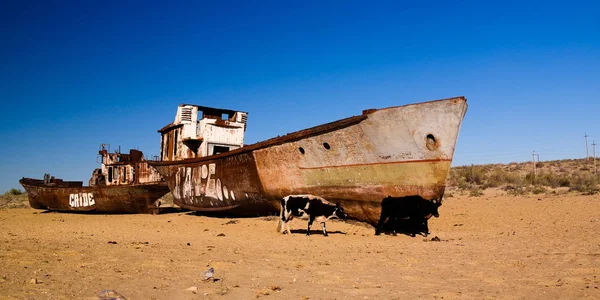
124,184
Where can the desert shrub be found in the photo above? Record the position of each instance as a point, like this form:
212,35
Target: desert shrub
495,179
564,181
538,189
530,178
14,192
585,183
466,178
516,190
513,178
563,173
553,180
476,192
473,174
501,177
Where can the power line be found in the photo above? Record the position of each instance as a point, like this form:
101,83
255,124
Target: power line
587,154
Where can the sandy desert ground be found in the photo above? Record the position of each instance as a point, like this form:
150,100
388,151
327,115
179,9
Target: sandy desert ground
531,247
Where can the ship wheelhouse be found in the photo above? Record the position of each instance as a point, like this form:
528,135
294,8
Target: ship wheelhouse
200,131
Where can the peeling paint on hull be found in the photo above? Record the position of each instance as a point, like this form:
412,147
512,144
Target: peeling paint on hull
397,151
136,198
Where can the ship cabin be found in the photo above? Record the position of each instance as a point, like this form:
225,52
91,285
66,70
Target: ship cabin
200,131
122,169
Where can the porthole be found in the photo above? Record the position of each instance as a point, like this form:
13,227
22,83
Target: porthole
301,150
431,142
326,146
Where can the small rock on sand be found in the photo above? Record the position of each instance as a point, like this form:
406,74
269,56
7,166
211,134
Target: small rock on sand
110,295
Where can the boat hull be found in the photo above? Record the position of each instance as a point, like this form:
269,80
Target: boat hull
358,161
134,198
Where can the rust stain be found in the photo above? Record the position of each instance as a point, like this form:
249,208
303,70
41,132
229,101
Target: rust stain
124,184
379,163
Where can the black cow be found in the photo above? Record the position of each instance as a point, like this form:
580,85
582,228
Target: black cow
414,208
309,207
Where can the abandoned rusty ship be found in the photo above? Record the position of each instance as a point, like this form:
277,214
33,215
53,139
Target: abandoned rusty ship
124,184
358,161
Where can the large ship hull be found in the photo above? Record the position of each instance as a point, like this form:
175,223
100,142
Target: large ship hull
73,197
358,161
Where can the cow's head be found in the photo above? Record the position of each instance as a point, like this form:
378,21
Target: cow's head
433,207
339,211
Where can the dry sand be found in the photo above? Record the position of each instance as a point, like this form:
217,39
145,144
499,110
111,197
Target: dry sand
491,247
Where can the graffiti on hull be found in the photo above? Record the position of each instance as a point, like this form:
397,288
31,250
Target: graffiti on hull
81,200
192,184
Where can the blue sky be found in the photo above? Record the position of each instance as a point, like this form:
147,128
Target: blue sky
78,74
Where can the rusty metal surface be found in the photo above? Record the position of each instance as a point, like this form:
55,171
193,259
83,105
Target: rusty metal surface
397,151
124,184
305,133
138,198
123,169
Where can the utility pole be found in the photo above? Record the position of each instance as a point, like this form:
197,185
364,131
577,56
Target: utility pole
587,153
594,144
534,171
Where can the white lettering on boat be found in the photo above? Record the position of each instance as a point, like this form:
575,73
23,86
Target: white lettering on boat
198,182
81,199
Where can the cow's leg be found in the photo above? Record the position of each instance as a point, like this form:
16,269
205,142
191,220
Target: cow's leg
394,222
281,217
426,227
285,219
282,226
283,229
283,223
379,226
310,221
414,224
324,228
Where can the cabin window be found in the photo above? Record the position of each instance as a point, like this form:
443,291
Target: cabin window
167,145
326,146
124,175
224,116
110,174
219,149
175,142
301,150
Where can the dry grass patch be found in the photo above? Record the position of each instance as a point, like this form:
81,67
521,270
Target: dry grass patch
518,178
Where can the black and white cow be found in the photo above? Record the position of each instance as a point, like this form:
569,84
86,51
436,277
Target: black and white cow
414,208
311,208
